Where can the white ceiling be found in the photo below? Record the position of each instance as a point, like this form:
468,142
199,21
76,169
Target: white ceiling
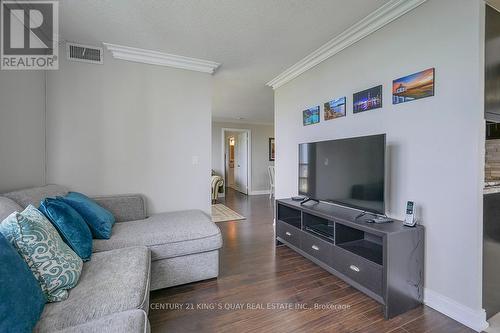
255,40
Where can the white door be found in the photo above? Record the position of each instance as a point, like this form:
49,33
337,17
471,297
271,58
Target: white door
241,162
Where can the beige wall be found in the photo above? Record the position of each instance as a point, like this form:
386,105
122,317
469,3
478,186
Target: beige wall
22,129
260,158
126,127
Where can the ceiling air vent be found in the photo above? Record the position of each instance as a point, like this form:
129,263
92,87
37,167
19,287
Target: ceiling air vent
84,53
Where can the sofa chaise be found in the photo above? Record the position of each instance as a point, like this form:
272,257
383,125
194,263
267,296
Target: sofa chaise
144,253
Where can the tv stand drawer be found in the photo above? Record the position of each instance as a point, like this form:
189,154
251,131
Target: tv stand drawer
362,271
288,233
316,247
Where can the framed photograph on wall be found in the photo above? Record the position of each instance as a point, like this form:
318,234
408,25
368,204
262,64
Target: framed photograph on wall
311,116
415,86
335,108
271,149
368,99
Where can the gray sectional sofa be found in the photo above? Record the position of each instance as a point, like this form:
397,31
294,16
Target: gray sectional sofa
144,253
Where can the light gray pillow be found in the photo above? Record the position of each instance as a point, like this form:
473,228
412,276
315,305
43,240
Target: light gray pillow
33,196
7,207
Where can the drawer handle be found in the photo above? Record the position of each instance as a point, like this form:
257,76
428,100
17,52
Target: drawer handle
354,268
314,247
288,234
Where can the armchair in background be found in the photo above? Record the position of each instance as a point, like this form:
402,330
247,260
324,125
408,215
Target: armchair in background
217,186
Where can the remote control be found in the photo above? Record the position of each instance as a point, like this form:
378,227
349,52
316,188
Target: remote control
380,219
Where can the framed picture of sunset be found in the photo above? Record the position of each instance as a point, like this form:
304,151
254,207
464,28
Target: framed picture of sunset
414,86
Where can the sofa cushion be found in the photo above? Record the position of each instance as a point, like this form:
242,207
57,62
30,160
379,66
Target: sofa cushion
33,196
55,266
99,220
131,321
167,234
7,207
111,282
71,225
21,298
124,207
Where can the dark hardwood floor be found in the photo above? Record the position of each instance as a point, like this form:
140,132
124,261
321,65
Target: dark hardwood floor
262,288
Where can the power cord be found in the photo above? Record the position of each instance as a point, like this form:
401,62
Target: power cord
418,284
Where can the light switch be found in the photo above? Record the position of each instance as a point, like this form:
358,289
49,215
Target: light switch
195,160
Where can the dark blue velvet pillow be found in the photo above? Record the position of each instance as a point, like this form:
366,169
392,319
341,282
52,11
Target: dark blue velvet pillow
71,226
21,298
99,220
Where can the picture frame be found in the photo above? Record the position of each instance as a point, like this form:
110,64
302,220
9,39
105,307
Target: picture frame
271,149
335,108
367,100
311,116
414,86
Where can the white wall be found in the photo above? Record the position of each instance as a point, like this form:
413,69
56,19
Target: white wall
260,151
22,129
435,145
125,127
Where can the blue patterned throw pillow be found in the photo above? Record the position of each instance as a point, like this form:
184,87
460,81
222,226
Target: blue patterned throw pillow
55,266
71,226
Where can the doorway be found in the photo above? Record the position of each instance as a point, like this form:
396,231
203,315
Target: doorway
491,198
236,158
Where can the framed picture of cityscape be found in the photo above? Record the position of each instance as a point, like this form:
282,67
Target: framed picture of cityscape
368,99
311,116
414,86
335,108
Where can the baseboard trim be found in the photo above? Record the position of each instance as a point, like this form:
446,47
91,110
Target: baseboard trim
475,319
260,192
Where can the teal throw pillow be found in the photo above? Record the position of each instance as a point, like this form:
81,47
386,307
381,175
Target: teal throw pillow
71,226
99,220
22,300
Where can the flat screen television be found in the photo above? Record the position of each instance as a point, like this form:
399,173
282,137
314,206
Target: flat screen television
348,172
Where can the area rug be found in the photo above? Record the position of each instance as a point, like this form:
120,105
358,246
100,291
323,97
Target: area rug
221,213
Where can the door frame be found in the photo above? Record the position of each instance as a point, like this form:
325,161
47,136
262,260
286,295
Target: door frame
249,155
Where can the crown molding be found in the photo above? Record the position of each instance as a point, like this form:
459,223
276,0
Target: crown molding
495,4
368,25
161,59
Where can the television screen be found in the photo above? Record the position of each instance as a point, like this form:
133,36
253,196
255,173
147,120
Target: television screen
349,172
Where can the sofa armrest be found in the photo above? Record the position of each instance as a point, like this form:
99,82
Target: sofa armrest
124,207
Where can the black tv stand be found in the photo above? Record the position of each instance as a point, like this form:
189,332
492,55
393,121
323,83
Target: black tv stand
307,200
384,261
